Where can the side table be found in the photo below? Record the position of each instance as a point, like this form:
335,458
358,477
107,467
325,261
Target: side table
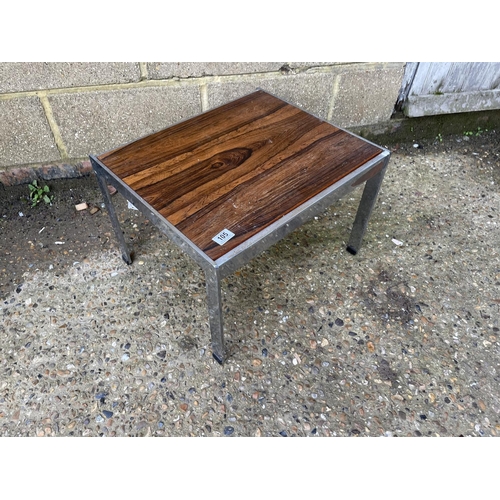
229,183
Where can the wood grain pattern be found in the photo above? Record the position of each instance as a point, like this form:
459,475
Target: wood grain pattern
240,167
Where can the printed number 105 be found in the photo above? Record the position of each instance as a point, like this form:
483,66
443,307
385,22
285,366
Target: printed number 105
223,236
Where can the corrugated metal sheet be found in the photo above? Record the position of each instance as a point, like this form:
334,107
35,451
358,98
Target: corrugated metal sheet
443,88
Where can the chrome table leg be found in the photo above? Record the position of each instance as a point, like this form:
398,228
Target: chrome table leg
214,301
368,199
114,219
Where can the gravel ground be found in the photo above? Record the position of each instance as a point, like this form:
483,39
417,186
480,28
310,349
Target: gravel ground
399,340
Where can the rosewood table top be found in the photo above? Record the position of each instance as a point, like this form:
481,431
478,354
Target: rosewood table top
224,176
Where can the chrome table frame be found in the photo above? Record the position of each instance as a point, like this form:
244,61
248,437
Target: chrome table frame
371,174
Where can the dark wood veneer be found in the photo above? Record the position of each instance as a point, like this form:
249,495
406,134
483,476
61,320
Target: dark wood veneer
240,167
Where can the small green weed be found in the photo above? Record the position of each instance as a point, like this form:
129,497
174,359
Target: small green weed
477,133
439,137
38,193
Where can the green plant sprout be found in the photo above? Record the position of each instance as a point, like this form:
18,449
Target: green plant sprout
477,133
38,194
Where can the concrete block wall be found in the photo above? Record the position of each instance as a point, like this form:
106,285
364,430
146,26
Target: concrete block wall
53,115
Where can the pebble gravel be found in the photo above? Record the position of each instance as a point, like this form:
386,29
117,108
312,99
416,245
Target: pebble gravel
399,340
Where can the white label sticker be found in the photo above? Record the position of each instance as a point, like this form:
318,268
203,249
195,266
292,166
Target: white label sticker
223,236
